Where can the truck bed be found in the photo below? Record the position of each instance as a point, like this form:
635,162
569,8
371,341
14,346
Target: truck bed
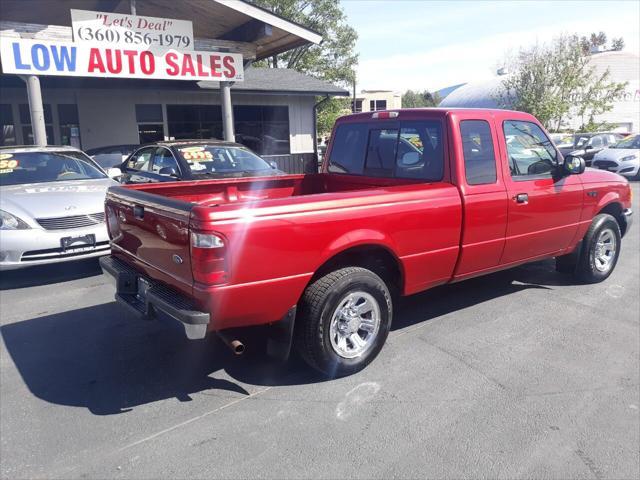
294,221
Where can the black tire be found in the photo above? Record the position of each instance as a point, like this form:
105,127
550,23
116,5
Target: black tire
587,269
316,309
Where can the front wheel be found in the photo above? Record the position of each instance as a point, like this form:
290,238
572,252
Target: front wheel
600,250
344,319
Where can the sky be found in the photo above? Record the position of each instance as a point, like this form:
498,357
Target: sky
420,44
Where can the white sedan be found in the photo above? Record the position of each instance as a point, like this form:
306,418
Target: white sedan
622,158
51,206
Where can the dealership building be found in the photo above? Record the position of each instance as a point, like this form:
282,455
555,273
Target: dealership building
272,111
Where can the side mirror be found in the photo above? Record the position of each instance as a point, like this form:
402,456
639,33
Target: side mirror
588,147
573,165
410,159
114,172
273,164
168,171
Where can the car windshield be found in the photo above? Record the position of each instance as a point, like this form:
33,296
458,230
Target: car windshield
629,142
42,167
214,159
580,141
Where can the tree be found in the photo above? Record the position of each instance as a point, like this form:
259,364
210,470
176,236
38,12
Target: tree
417,99
617,44
556,82
334,60
329,111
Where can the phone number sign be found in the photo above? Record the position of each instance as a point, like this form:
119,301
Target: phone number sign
113,29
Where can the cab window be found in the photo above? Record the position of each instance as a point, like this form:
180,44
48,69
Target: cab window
411,149
530,152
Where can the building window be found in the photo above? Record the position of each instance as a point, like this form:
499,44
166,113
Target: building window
25,120
194,121
69,125
150,123
7,126
263,129
375,105
357,107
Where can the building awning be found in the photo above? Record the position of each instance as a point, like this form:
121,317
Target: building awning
266,81
224,20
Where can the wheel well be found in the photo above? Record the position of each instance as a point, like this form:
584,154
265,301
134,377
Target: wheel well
615,210
373,257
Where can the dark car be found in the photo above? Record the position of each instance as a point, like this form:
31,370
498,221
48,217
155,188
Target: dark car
586,145
112,155
170,161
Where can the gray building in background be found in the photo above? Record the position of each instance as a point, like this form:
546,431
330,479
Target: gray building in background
623,67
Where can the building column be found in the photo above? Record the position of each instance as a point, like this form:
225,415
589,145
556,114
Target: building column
36,109
227,112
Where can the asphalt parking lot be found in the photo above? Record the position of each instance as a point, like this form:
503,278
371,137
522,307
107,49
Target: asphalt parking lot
520,374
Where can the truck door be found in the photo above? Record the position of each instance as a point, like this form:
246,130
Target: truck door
484,194
544,209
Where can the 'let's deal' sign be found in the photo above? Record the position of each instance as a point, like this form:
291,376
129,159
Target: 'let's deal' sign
37,57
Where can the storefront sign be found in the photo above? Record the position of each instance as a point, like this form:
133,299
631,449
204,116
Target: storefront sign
114,29
37,57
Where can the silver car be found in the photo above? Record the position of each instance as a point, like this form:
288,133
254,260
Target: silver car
622,158
51,206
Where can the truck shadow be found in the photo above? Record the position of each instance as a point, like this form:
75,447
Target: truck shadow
99,358
49,274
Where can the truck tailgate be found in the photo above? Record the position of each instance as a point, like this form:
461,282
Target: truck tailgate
154,230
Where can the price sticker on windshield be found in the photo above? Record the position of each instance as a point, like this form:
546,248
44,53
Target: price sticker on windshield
6,165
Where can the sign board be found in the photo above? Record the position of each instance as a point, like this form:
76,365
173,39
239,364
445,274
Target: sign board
131,31
38,57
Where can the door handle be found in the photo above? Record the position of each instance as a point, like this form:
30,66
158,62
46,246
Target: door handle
138,212
521,198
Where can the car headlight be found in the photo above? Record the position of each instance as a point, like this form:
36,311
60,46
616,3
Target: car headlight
11,222
630,157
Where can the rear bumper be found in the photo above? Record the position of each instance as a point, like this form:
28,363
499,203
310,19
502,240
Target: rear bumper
158,298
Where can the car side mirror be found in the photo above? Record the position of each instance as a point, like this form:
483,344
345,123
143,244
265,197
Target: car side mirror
573,165
588,147
273,164
114,172
168,171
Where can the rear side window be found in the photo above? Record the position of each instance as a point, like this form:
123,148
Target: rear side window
413,149
349,148
141,160
479,157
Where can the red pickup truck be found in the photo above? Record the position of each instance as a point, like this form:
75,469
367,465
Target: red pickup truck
406,200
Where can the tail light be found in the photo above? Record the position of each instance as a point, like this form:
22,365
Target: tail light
113,227
208,258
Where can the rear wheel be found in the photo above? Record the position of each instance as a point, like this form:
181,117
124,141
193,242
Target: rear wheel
344,319
600,250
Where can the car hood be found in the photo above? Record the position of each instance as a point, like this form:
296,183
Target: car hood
616,153
55,199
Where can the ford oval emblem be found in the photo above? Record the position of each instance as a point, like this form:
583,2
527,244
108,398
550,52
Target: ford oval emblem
177,259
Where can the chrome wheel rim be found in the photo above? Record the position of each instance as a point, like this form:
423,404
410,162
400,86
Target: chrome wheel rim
605,250
355,324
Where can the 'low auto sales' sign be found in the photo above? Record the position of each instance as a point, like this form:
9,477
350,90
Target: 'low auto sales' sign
37,57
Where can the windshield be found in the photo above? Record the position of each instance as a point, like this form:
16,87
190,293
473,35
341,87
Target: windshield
42,167
580,141
629,142
208,159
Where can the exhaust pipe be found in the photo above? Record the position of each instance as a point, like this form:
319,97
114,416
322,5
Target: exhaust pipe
236,346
